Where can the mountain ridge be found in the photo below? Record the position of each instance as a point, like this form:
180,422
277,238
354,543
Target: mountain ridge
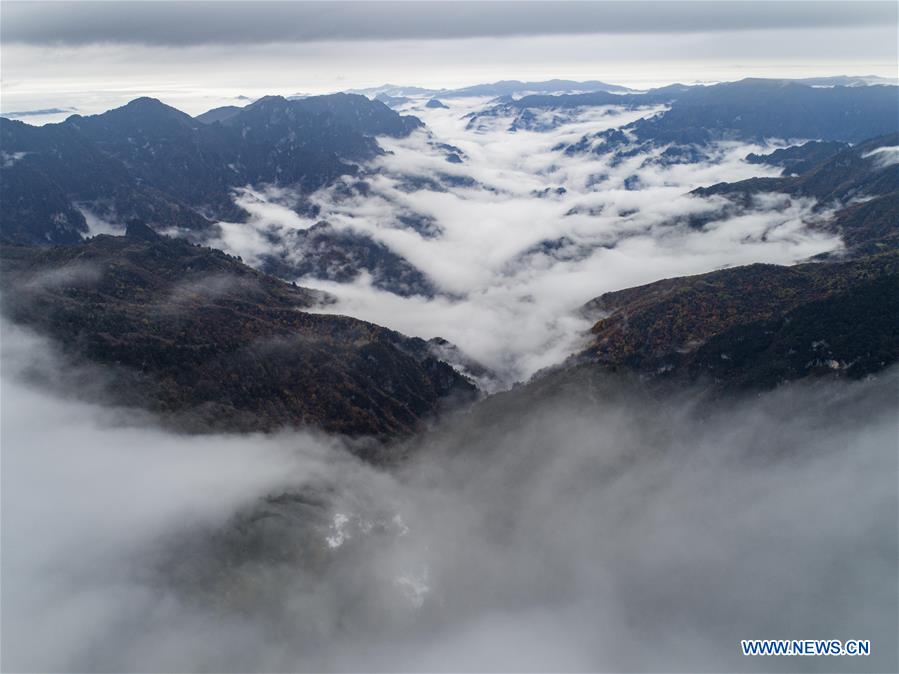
209,344
146,152
755,326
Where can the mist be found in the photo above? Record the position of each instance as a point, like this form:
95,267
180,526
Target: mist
578,524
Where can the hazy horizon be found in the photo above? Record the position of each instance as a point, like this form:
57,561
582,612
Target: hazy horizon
94,56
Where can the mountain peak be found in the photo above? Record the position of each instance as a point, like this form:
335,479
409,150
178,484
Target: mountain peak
149,105
145,101
267,101
143,108
138,229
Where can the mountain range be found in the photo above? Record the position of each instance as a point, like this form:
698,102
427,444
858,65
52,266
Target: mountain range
860,181
150,161
206,342
153,162
751,109
493,89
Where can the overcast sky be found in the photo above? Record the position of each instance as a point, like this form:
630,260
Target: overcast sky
90,55
195,23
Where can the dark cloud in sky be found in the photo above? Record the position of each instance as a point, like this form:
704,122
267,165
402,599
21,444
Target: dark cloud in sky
200,23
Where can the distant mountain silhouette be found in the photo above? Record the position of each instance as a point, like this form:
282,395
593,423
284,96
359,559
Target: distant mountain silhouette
751,109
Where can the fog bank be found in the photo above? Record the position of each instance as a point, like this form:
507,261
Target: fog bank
588,529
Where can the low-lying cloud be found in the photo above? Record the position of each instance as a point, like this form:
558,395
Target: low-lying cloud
884,156
519,235
594,530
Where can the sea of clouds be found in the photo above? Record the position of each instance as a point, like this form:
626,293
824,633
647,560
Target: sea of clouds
591,527
513,256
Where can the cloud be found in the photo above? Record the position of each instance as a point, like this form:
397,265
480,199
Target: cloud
39,113
268,219
515,267
78,273
195,23
884,156
188,295
593,530
90,495
97,76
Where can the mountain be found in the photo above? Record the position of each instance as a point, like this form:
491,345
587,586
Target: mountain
865,173
754,109
512,87
797,159
355,113
165,148
392,101
749,110
847,81
151,161
580,100
492,89
521,110
754,326
859,171
326,253
218,114
208,343
393,91
869,226
758,326
304,143
49,173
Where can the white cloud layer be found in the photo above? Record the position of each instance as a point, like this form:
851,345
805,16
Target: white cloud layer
884,156
514,267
